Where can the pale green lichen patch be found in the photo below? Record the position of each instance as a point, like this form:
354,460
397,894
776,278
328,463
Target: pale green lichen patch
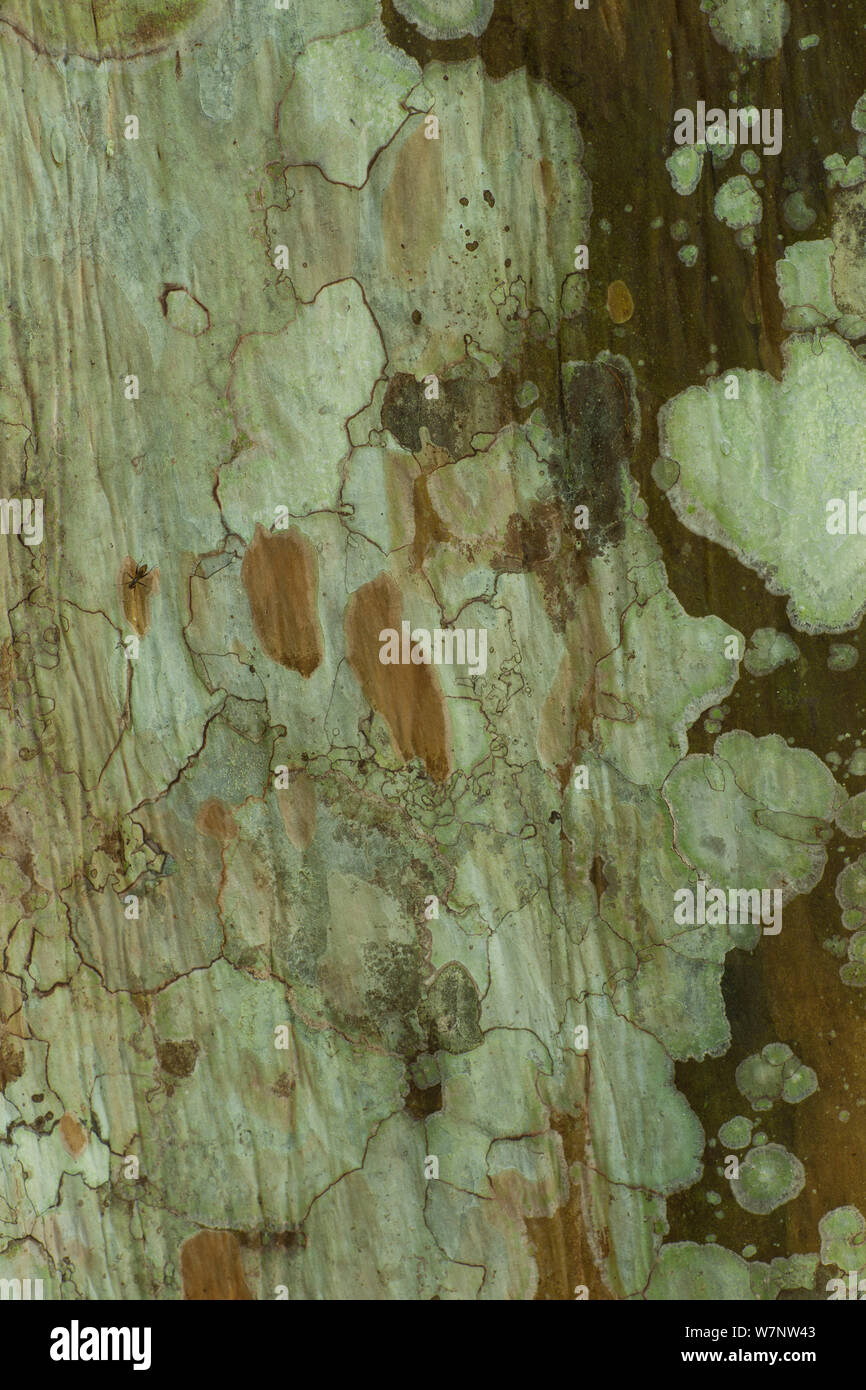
737,1132
773,1074
685,166
754,816
738,204
769,1177
851,818
447,19
748,467
843,1238
842,656
768,650
340,125
804,276
842,173
753,27
793,1272
705,1272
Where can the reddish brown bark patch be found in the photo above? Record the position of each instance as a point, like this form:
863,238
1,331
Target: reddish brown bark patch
210,1266
408,697
138,584
299,811
73,1135
413,208
280,575
215,819
11,1061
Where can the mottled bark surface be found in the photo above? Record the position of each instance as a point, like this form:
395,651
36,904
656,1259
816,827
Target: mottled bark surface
431,704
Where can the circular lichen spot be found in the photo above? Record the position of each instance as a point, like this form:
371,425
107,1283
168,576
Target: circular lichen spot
768,1178
851,884
854,974
842,656
843,1238
99,29
736,1133
759,1080
768,650
447,19
738,205
800,1081
747,27
685,1270
684,167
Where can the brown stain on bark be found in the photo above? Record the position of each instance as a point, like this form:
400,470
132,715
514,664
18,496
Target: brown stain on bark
11,1061
11,1009
280,576
210,1264
823,1021
413,208
136,591
409,697
562,1250
73,1135
298,809
429,527
215,819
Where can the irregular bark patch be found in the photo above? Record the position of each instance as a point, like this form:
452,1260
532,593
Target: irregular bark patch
101,29
178,1058
138,584
11,1062
73,1135
408,697
210,1265
215,819
280,576
299,811
184,311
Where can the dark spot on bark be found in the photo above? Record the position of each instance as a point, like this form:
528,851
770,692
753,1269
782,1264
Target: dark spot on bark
11,1061
423,1102
452,1010
598,439
178,1058
597,878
